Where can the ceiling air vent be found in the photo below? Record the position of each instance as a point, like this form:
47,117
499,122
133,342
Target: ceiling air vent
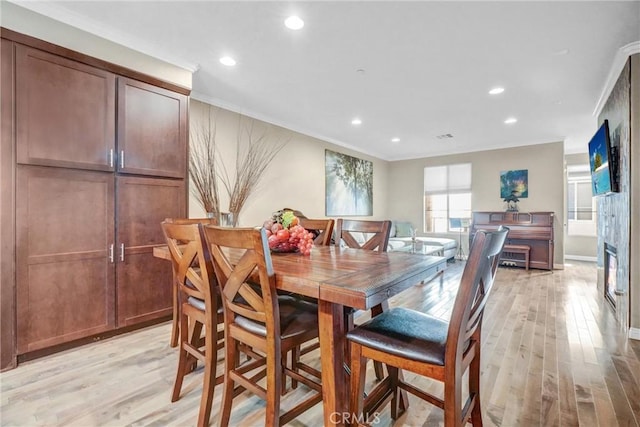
445,136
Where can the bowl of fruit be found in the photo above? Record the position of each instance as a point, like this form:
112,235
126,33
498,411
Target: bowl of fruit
285,234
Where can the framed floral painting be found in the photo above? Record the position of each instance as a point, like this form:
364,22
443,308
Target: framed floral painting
515,182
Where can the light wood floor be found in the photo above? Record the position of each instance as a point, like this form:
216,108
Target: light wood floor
553,354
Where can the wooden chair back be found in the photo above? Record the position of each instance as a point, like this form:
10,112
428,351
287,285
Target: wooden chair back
247,284
378,229
175,330
475,285
191,261
323,228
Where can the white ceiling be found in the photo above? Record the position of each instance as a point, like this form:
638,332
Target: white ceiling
428,66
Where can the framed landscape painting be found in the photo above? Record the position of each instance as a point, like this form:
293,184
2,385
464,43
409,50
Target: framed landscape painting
348,185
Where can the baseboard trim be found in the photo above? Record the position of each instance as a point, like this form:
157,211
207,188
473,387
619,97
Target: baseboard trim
634,333
581,258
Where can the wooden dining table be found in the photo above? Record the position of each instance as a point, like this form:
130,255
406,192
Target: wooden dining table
341,277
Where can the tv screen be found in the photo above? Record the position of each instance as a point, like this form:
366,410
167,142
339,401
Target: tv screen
600,162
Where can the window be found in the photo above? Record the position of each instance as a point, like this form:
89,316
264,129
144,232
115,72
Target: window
447,194
581,210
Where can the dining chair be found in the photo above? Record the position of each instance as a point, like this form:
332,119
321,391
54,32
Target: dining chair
175,322
199,309
368,235
260,321
323,228
363,234
428,346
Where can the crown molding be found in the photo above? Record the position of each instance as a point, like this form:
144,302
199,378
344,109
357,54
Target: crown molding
619,62
199,96
58,13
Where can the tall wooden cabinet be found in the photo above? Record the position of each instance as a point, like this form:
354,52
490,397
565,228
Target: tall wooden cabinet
100,161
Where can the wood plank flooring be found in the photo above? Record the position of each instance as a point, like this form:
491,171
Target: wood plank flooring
553,355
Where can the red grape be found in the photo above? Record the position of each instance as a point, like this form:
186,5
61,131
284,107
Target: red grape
281,239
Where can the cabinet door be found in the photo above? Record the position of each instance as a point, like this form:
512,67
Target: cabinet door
7,211
65,112
144,282
65,278
152,130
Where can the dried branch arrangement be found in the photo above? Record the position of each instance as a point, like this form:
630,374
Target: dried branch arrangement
254,152
203,163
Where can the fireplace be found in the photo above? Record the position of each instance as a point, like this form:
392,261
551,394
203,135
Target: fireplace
610,270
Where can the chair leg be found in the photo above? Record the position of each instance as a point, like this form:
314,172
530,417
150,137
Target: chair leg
209,383
274,387
175,322
184,365
195,331
356,390
285,359
474,388
378,369
395,399
230,363
453,403
295,359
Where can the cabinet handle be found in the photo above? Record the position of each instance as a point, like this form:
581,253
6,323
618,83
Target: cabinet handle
122,252
111,253
122,159
111,157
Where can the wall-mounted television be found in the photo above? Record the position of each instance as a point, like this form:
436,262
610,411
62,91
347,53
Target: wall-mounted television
603,160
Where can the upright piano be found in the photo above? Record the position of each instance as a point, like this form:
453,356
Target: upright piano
533,229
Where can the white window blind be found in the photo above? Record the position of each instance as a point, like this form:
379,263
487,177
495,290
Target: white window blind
447,194
448,178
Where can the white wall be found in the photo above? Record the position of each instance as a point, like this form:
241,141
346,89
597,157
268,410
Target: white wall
545,163
295,179
21,20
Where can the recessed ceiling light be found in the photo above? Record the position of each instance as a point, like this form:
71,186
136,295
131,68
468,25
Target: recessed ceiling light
356,121
294,22
395,139
496,90
228,61
511,120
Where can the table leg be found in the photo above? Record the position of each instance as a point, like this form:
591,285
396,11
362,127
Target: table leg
332,347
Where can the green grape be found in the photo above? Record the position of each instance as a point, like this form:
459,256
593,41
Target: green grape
287,218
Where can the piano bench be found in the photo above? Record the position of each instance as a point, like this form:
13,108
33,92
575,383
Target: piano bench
517,249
